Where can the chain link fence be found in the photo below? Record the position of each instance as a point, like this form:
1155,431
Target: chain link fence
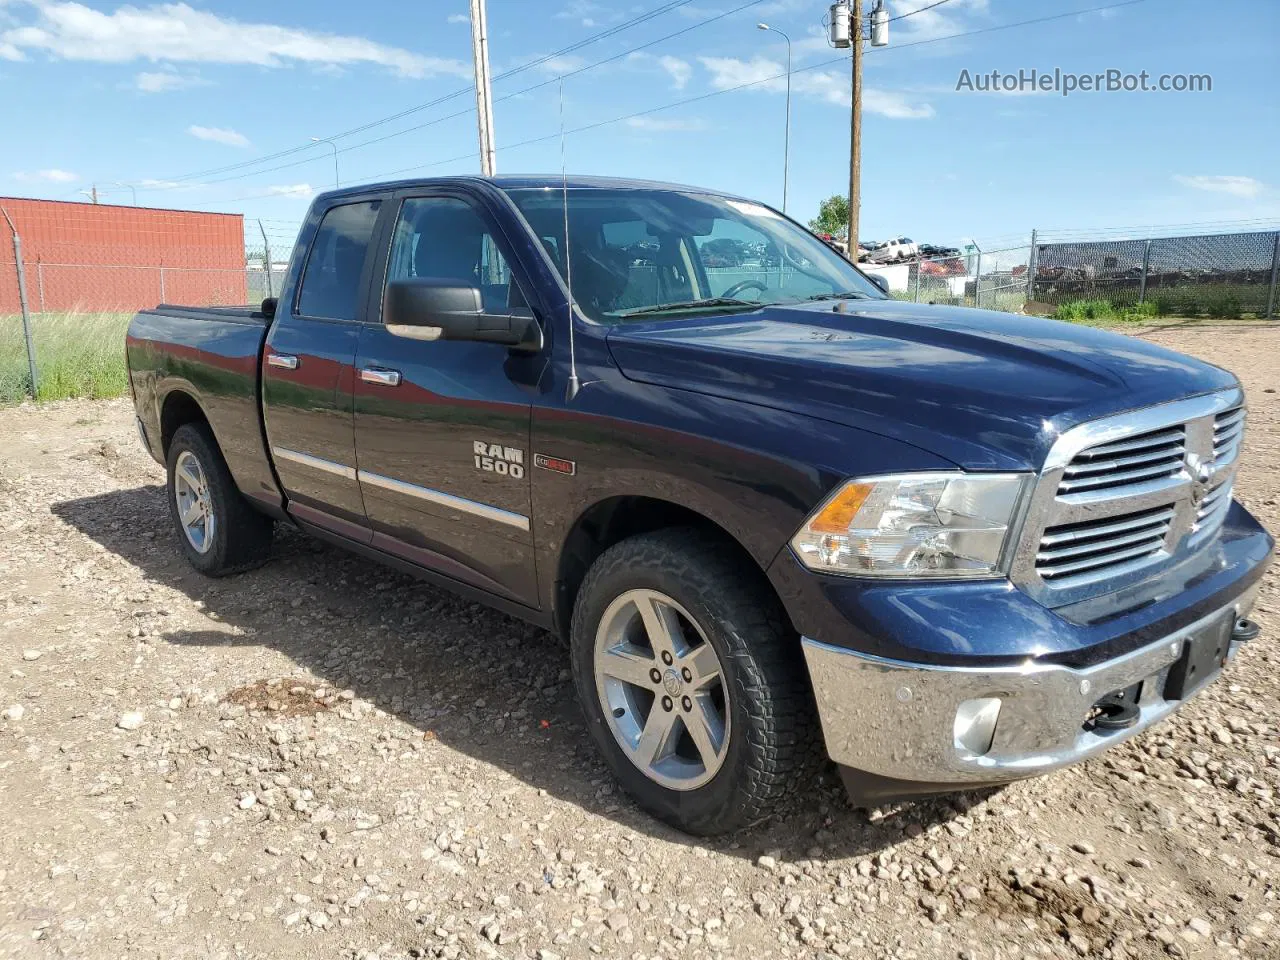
990,279
73,274
1221,275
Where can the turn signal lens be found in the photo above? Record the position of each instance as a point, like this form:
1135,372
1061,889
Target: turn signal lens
838,513
913,525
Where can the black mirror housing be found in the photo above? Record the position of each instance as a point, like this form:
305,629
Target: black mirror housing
880,280
428,308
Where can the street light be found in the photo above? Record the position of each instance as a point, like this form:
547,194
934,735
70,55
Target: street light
786,143
334,148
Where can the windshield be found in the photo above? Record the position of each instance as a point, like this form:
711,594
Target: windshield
637,254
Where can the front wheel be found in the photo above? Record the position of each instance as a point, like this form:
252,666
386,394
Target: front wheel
218,531
691,681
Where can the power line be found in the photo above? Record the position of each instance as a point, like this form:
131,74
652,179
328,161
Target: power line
462,91
903,16
717,93
536,86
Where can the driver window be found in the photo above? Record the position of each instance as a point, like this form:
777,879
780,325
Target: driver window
444,238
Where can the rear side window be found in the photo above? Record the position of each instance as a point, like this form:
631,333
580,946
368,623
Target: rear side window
331,281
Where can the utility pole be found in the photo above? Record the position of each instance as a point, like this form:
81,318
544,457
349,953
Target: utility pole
484,94
855,128
92,194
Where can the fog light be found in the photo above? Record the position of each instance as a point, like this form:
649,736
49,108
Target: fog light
975,725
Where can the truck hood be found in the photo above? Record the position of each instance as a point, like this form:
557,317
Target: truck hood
985,390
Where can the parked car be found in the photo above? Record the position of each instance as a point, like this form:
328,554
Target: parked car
932,250
962,547
891,251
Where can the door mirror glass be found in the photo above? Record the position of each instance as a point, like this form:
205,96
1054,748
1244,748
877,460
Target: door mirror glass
431,308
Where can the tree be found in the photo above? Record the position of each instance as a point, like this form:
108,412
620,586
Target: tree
833,217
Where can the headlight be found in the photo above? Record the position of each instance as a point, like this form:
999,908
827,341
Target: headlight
913,525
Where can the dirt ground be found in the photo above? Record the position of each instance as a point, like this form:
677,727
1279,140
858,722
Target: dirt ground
325,759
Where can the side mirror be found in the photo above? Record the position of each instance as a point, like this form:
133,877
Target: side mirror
881,281
427,308
269,306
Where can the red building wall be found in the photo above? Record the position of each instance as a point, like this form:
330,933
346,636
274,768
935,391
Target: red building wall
102,257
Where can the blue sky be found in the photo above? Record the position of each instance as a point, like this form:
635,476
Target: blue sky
158,96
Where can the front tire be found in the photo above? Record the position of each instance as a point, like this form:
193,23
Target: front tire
217,529
691,681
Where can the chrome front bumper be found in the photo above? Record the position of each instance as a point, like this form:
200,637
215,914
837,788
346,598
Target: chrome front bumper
913,724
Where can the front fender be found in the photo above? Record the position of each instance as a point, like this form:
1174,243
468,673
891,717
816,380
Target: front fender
754,471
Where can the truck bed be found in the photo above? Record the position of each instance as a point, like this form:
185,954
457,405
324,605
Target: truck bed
211,354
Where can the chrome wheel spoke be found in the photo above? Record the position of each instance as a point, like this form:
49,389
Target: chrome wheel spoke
706,729
704,665
191,498
661,626
630,664
191,475
657,739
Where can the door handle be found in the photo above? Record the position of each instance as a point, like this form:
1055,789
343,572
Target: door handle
282,360
378,375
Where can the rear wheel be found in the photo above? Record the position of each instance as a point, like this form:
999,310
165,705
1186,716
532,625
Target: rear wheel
691,681
217,529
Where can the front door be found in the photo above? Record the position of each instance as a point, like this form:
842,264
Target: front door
442,428
308,375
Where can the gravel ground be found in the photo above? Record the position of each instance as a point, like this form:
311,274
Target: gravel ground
326,759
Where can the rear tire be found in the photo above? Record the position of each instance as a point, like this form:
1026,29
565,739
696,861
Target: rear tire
736,679
217,529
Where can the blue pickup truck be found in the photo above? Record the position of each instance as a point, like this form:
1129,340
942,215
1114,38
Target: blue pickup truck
766,506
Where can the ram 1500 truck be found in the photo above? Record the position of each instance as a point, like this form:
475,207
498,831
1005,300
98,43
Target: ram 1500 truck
762,502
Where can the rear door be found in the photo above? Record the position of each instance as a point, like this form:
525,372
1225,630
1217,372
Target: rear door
307,373
442,428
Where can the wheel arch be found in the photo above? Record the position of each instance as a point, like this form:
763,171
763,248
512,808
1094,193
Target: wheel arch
178,408
617,518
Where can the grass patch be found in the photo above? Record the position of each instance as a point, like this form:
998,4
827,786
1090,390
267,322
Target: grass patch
77,355
1105,311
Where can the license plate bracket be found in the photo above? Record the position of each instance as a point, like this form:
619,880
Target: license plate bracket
1204,653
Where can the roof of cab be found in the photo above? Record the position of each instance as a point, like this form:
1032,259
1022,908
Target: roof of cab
525,181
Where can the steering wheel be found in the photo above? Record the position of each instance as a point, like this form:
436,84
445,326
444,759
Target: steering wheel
742,285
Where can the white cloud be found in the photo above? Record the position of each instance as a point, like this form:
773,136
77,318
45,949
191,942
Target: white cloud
458,18
943,21
232,138
178,33
830,86
162,80
656,125
302,191
1236,186
52,175
679,70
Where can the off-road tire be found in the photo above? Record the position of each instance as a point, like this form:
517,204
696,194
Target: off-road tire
773,735
242,536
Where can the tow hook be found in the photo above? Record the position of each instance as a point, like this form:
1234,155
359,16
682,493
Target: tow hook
1244,631
1115,714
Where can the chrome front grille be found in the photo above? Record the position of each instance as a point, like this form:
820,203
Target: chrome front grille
1134,460
1120,497
1228,431
1097,545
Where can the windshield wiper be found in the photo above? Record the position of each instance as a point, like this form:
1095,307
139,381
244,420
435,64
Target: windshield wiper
690,305
842,295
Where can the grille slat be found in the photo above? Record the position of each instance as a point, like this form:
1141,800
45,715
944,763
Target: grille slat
1096,545
1096,563
1155,455
1228,431
1087,468
1154,439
